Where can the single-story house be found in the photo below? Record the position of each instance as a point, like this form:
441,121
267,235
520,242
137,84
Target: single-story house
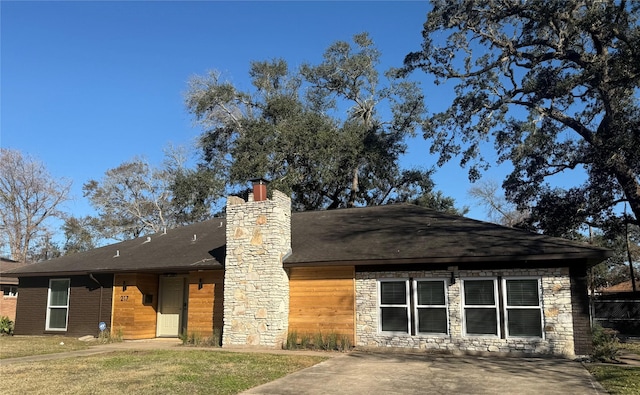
8,288
625,286
386,276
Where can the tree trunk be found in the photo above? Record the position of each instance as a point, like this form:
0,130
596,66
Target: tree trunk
354,189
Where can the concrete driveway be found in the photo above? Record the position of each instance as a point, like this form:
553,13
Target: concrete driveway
386,373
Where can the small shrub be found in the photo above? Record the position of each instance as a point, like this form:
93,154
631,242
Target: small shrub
318,341
345,343
195,339
605,344
217,337
107,336
305,341
292,341
330,342
6,326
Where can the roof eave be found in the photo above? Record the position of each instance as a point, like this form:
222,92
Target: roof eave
172,269
591,259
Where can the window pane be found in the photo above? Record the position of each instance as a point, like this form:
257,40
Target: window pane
57,318
59,293
394,319
479,292
432,320
524,322
393,292
430,293
481,321
522,293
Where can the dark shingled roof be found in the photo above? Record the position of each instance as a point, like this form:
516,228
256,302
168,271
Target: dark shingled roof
371,235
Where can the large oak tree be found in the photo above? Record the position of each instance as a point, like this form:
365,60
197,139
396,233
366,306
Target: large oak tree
554,85
330,134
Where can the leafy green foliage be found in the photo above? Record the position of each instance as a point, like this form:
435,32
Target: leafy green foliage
6,326
606,345
195,339
317,133
194,193
616,269
80,234
318,341
554,85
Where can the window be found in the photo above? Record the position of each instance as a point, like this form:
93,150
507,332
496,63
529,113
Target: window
523,308
431,306
394,306
480,307
10,290
417,306
520,302
58,304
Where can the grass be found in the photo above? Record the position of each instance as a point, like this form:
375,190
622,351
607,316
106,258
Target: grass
20,346
619,379
631,347
153,372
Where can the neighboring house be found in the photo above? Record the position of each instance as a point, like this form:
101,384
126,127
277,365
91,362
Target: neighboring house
625,286
8,288
386,276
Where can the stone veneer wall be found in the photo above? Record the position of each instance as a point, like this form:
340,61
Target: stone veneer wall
256,287
556,302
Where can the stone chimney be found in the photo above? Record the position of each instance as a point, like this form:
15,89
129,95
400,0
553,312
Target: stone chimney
256,286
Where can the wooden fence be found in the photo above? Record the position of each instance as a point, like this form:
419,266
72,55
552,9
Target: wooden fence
620,312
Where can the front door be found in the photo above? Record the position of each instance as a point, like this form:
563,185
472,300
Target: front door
171,306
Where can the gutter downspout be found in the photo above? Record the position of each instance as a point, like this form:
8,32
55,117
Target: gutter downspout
101,288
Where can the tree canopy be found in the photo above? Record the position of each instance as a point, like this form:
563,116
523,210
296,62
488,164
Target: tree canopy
554,86
29,198
330,134
131,200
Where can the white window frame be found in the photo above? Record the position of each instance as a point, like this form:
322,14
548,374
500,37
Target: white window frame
495,306
406,306
12,291
51,307
507,307
418,306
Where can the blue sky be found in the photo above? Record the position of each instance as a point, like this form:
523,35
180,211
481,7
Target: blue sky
86,86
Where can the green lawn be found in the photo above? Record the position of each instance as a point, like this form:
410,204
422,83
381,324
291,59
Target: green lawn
622,380
619,379
20,346
184,371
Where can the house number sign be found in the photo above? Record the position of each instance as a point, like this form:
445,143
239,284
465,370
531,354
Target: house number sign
124,298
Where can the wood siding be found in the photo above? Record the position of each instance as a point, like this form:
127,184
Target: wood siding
132,317
89,304
205,304
322,300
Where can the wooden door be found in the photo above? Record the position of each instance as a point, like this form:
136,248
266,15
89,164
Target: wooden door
171,306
